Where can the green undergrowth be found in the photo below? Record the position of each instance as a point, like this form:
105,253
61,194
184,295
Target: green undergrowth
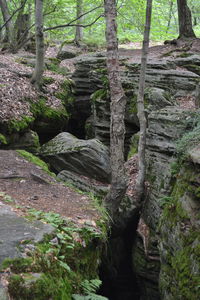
35,160
187,142
63,266
3,139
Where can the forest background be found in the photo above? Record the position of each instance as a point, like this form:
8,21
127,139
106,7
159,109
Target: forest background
131,16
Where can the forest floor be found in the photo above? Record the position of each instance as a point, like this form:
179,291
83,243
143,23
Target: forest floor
24,184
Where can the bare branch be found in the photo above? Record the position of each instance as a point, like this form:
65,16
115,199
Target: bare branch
51,11
76,19
74,25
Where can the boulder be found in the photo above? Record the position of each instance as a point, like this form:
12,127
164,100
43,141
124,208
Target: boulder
84,157
83,183
66,52
157,99
19,229
28,140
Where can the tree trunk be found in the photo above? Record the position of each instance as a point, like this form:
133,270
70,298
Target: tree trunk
117,107
6,16
184,20
36,79
79,30
141,108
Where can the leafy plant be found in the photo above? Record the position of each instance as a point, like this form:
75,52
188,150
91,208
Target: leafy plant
90,287
6,198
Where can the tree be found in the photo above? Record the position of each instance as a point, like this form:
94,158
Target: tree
6,19
184,20
140,106
36,79
16,24
79,29
118,103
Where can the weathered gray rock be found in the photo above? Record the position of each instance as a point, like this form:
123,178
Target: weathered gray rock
85,157
14,229
3,293
171,211
84,184
163,83
28,140
157,99
66,52
190,60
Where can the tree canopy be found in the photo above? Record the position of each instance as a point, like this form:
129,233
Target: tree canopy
131,17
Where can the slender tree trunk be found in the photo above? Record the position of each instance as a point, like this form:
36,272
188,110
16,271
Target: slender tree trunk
117,107
79,30
140,106
6,16
36,79
185,20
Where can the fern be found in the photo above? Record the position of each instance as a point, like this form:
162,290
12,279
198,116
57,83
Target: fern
89,297
90,288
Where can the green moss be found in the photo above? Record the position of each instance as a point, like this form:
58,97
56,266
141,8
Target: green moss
48,80
35,160
17,265
99,94
65,92
3,139
185,284
41,111
45,287
19,125
134,145
54,66
183,260
185,54
193,68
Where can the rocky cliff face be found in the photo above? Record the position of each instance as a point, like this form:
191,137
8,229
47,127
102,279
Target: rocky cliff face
92,105
171,212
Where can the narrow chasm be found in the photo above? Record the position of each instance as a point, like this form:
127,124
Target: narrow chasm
116,271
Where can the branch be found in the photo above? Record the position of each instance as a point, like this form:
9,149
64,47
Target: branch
51,11
21,7
79,17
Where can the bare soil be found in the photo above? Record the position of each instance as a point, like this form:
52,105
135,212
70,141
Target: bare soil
30,187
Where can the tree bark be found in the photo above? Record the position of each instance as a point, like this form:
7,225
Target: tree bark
117,107
6,16
79,29
184,20
36,79
140,107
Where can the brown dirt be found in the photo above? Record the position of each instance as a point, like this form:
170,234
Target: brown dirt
30,187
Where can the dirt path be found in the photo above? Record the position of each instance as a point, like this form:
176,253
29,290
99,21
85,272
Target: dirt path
24,185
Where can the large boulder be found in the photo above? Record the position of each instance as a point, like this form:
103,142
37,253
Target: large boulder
66,52
85,157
